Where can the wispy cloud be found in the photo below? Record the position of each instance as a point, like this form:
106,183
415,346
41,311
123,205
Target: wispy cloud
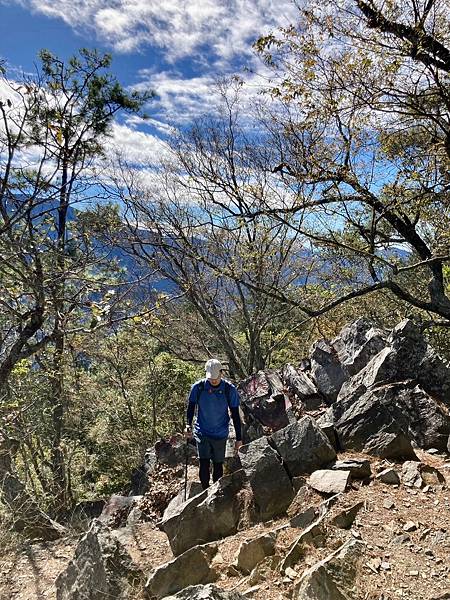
182,28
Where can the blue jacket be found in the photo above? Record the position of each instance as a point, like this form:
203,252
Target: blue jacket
213,414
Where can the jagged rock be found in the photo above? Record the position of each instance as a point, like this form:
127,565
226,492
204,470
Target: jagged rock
332,577
359,467
298,483
406,357
117,508
193,488
303,446
209,516
140,476
397,408
330,482
328,429
174,451
205,592
326,370
101,568
345,518
302,387
88,509
304,518
313,535
270,483
387,444
263,401
358,343
389,476
417,474
252,552
190,568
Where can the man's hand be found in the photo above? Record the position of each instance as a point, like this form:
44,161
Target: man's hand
188,433
237,445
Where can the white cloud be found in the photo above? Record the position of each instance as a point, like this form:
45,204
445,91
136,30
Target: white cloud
182,28
137,147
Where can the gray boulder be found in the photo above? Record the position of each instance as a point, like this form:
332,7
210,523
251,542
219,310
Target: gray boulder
303,446
190,568
269,481
193,488
253,551
209,516
391,445
358,343
301,387
331,578
205,592
326,370
407,356
101,568
398,408
417,474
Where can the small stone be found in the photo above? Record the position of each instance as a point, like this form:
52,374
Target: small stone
291,573
426,489
414,573
401,539
356,535
389,476
374,564
388,504
409,526
385,566
250,591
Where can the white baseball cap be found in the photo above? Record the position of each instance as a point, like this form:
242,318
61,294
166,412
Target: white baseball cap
213,368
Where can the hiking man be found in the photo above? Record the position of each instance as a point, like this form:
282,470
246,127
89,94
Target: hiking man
215,399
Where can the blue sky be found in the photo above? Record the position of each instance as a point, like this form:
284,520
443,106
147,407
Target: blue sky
176,47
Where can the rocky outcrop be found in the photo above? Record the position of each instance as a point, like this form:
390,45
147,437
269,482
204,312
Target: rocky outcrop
209,516
301,387
406,357
326,370
190,568
397,408
358,343
269,481
303,446
101,568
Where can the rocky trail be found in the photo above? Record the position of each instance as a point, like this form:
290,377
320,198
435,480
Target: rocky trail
340,493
